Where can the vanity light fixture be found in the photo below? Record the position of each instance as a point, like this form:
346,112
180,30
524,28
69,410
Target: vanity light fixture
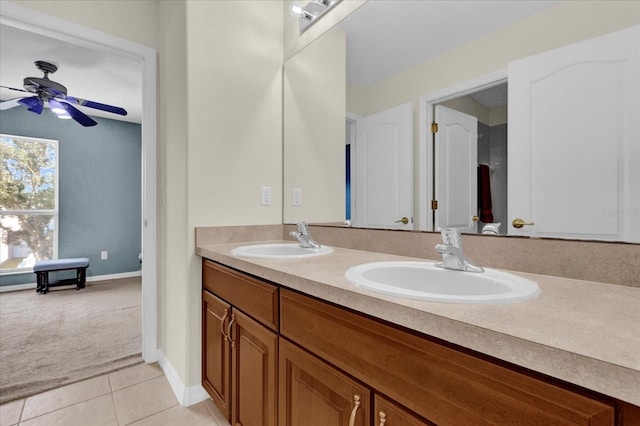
310,13
298,11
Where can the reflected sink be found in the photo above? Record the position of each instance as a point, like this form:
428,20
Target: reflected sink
279,251
425,281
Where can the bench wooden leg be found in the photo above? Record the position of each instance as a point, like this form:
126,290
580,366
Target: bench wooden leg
43,282
44,286
81,274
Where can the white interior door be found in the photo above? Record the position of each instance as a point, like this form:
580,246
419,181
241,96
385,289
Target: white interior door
574,123
384,169
456,170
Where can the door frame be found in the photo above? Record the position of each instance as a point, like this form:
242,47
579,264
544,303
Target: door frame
50,26
354,119
425,146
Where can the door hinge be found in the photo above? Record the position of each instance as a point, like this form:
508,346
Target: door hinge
434,204
434,127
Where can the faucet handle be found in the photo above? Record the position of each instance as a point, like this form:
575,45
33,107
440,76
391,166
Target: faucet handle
451,236
303,227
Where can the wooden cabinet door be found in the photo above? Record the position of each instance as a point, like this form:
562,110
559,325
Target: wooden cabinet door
312,393
387,413
216,371
254,354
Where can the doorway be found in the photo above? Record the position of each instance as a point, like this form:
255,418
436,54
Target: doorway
27,19
484,99
488,168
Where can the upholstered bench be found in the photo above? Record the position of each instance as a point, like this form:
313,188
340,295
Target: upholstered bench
42,269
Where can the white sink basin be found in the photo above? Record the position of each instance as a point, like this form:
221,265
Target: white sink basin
279,251
423,280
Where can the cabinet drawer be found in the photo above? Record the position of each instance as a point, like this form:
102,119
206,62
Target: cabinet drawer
438,382
256,298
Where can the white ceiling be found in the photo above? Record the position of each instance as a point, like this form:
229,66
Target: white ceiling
91,73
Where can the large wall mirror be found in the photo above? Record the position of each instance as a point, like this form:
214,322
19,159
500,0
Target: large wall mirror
360,147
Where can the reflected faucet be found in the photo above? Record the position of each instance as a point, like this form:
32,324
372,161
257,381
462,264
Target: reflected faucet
304,236
452,254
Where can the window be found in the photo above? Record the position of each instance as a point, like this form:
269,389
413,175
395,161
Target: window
28,202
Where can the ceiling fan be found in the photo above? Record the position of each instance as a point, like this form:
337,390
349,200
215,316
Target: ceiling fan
55,95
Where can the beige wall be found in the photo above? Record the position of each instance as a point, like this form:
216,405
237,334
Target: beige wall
221,140
173,135
234,125
134,20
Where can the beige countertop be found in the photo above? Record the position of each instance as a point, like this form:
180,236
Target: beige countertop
582,332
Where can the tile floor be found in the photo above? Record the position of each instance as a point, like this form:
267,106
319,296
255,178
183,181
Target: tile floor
138,395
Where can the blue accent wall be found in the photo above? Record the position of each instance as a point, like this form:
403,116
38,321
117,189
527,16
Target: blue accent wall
100,185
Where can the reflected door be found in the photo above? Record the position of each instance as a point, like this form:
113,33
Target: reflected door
573,123
384,169
456,176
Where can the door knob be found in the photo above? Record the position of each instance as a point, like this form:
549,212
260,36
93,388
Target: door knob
519,223
475,218
404,220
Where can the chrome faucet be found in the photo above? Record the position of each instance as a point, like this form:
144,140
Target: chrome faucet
452,254
304,236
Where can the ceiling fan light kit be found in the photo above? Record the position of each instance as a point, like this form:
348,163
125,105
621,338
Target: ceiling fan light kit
54,95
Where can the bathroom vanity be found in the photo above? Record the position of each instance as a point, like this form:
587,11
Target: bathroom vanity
291,342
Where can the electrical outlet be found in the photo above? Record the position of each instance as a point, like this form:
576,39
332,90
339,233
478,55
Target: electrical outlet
104,255
266,196
297,197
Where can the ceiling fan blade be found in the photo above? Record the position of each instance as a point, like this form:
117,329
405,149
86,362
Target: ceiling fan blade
17,90
75,113
97,105
8,104
34,103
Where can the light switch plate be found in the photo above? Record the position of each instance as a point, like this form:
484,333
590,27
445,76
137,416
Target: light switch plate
297,197
266,195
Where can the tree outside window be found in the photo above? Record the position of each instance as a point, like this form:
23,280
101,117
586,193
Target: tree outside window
28,202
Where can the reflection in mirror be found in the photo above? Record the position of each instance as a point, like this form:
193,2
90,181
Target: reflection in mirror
314,131
414,56
487,109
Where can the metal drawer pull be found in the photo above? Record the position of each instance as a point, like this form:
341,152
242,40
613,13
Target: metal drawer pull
233,342
383,417
356,404
224,317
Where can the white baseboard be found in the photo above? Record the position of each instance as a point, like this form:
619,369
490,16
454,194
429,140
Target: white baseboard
186,396
17,287
114,276
29,286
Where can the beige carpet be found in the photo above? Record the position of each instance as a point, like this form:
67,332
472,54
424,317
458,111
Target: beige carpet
67,335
